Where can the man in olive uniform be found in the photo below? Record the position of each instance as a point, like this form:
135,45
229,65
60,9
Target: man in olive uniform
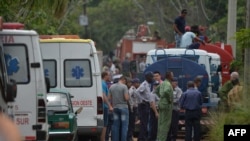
165,93
225,89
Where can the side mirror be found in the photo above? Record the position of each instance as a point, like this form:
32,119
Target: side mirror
79,110
11,91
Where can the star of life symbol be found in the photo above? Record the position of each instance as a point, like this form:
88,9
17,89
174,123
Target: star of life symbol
12,64
77,72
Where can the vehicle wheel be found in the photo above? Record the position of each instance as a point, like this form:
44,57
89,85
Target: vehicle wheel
76,138
96,138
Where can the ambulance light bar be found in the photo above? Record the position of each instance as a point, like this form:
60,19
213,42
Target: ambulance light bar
12,26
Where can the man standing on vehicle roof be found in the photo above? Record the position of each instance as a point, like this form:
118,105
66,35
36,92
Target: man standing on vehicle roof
165,93
107,106
191,102
188,39
143,92
179,27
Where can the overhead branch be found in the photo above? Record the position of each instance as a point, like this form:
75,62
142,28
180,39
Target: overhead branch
140,7
174,5
203,10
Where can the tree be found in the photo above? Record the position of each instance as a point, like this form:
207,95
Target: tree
243,37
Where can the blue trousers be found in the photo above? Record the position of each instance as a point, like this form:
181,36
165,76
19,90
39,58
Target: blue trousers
120,124
109,125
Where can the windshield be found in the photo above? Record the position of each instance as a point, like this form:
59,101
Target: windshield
57,102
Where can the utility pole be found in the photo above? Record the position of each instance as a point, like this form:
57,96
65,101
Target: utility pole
231,24
248,14
85,14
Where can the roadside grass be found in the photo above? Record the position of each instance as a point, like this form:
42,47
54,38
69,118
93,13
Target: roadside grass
238,116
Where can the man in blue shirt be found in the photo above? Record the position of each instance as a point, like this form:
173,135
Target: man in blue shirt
191,102
107,106
179,27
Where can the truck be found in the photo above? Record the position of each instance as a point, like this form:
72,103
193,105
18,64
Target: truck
24,65
134,45
185,70
226,56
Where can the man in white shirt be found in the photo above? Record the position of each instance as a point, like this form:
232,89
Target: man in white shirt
189,39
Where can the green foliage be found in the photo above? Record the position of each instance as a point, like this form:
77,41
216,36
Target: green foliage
236,65
110,19
243,38
239,115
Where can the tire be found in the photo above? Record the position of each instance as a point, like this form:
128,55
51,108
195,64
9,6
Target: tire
76,138
96,138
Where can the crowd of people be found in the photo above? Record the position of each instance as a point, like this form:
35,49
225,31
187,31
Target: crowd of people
156,102
153,104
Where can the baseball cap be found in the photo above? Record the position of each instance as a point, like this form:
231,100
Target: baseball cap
187,28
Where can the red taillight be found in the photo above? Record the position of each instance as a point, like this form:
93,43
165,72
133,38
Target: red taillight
99,105
41,110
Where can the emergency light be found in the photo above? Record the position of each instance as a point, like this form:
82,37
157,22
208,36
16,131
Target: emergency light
13,26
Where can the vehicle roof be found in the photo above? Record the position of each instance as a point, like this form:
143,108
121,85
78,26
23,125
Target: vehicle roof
213,55
17,32
63,40
177,51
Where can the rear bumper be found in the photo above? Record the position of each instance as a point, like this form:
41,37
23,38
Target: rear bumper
91,130
62,135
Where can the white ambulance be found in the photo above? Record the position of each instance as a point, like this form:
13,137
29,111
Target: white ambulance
7,87
24,65
72,64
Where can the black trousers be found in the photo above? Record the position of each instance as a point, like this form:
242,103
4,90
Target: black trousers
173,131
143,111
153,125
192,122
131,124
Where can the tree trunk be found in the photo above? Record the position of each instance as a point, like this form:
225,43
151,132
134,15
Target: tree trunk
246,74
246,87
